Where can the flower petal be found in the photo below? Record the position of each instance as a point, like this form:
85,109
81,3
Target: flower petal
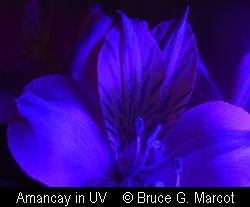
205,89
57,142
241,95
130,75
180,55
85,61
213,141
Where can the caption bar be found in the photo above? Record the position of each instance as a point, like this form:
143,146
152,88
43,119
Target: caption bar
123,196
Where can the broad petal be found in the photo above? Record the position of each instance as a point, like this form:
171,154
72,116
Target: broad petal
205,89
130,75
57,142
177,43
241,96
213,141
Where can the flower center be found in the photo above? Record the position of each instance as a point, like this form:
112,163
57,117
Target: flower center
149,157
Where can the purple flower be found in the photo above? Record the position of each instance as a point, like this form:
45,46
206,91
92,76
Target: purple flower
241,92
126,129
205,89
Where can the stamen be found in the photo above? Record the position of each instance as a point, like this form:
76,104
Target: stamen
150,142
159,153
152,155
159,184
139,126
177,165
154,135
144,157
178,179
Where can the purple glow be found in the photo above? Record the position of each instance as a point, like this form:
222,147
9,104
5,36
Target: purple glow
135,131
241,96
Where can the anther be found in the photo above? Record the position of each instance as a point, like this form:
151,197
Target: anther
139,125
177,164
157,144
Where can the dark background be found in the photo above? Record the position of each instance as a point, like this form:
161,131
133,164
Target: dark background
222,29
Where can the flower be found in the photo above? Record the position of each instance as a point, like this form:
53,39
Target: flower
241,92
205,89
127,128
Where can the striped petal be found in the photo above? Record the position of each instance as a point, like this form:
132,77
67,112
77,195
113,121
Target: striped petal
180,56
130,75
